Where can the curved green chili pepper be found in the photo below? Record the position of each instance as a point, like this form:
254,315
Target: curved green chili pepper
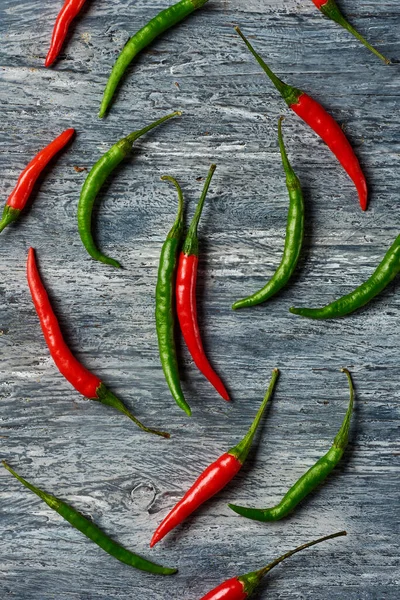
294,236
310,480
90,530
94,181
165,304
164,20
379,280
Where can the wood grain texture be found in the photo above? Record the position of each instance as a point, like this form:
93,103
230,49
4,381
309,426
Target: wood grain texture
93,457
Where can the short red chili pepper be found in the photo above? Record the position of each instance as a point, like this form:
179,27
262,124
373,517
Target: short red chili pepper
20,195
321,122
240,588
68,12
83,380
186,296
215,477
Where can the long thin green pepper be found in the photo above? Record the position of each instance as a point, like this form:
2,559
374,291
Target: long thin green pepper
91,531
94,181
311,479
165,303
379,280
164,20
294,235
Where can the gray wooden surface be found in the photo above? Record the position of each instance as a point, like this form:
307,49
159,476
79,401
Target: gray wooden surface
96,459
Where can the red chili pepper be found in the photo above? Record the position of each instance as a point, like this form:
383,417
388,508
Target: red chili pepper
83,380
215,477
20,195
321,122
68,12
240,588
186,296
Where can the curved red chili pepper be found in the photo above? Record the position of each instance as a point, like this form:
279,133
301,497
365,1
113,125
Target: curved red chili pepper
321,122
68,12
232,589
186,305
83,380
215,477
20,194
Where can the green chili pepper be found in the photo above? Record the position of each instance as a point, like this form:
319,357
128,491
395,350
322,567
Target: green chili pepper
379,280
310,480
164,20
294,236
90,530
165,304
94,181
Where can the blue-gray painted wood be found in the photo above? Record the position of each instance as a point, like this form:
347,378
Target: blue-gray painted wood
95,458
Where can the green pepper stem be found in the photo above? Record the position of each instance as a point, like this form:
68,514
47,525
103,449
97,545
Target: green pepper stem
191,243
132,137
292,181
332,11
241,450
342,437
290,94
9,216
106,397
252,580
178,224
52,501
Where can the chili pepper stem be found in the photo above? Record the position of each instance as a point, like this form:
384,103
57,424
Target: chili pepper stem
341,440
179,216
106,397
332,11
289,93
241,450
132,137
9,216
48,498
252,580
191,244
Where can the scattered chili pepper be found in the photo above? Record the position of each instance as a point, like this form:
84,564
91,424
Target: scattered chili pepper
186,296
331,10
83,380
91,531
379,280
321,122
294,236
20,194
240,588
66,15
165,304
215,477
164,20
94,181
311,479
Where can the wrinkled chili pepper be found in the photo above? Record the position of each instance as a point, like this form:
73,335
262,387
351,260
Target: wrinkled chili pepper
311,479
331,10
83,380
165,304
94,181
91,531
240,588
379,280
294,236
164,20
66,15
321,122
20,194
215,477
186,296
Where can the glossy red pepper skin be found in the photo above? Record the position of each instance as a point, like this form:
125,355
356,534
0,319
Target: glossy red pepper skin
215,477
330,131
210,482
20,194
319,3
68,12
232,589
83,380
186,307
321,122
